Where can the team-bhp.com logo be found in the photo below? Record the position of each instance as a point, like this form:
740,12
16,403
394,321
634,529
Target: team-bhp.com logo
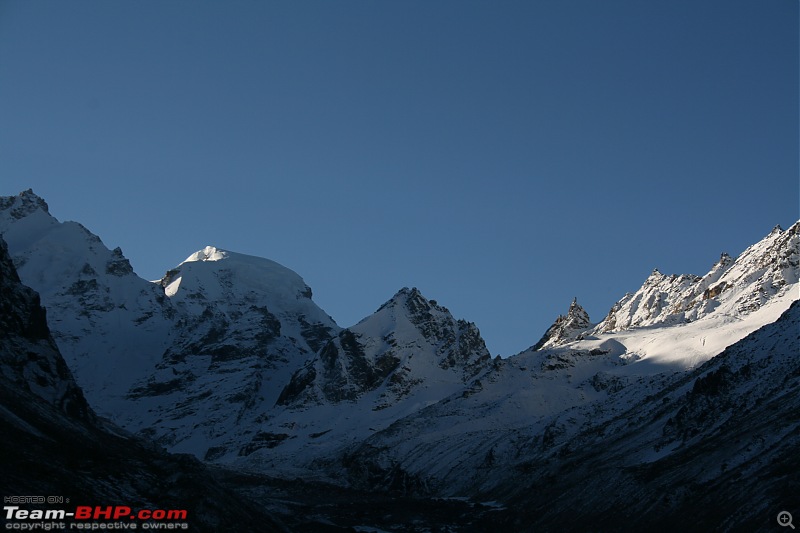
92,517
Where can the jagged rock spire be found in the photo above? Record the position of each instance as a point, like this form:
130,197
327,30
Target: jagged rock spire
565,328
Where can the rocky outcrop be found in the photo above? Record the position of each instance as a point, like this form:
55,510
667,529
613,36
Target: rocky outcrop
565,328
29,358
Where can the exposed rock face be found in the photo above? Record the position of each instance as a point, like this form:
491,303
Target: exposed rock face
28,355
409,354
565,328
404,344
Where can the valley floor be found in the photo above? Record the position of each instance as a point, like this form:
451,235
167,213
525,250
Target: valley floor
316,507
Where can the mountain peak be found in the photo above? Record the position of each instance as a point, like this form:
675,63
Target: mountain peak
413,301
407,345
565,328
405,294
221,271
23,204
209,253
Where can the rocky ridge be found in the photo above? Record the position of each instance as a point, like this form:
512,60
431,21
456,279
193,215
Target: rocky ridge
736,287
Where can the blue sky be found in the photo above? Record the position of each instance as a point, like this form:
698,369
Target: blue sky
504,157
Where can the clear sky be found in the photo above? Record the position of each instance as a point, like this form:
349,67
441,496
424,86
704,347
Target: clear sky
503,157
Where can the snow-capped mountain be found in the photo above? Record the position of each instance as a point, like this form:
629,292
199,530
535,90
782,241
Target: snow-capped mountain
409,354
409,341
243,326
712,449
54,444
564,449
110,325
228,358
736,288
222,333
678,322
227,349
250,287
578,378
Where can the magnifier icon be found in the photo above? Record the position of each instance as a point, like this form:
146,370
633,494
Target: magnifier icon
785,519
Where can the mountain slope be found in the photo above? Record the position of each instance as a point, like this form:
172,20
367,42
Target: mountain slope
111,325
244,326
54,445
715,449
711,449
678,322
408,354
221,333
